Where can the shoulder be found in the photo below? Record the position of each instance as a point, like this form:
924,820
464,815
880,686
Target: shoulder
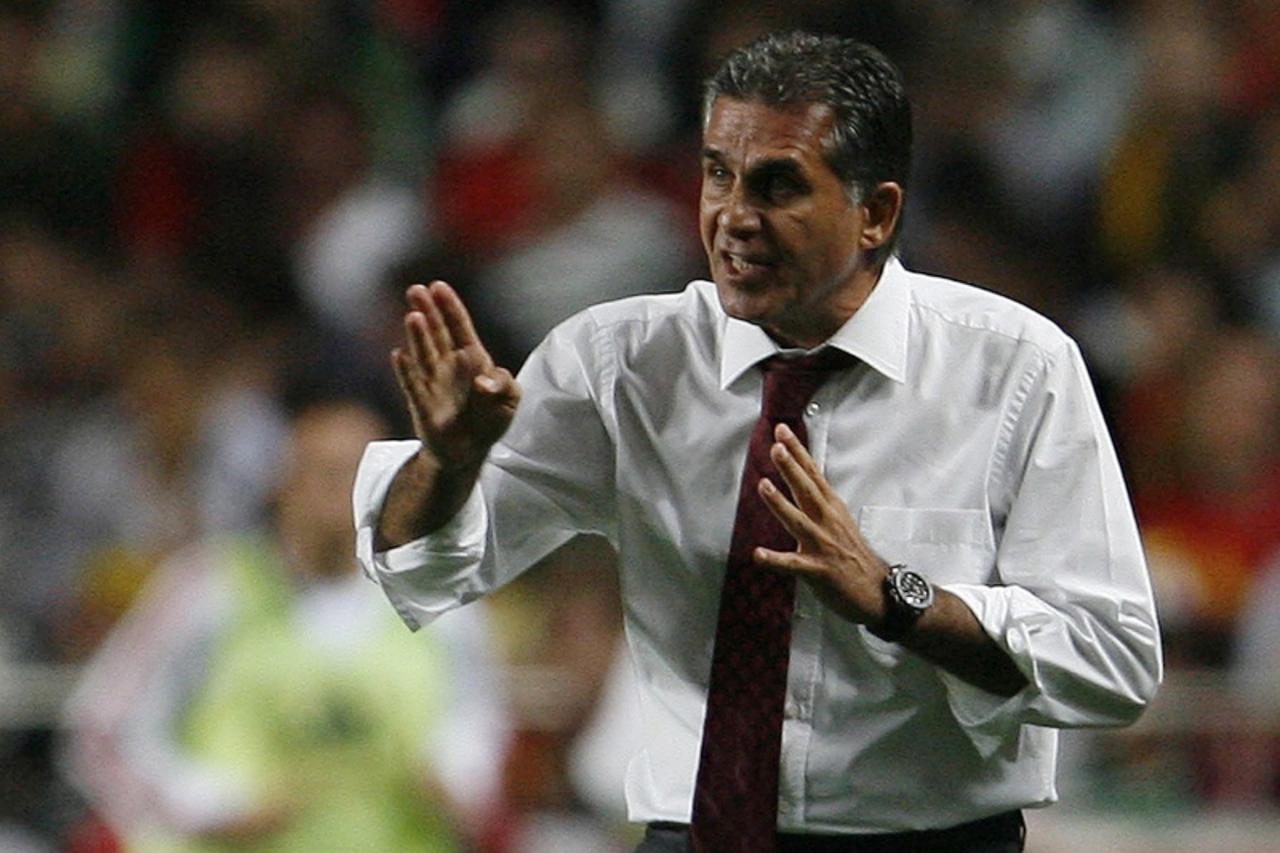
695,305
968,314
688,318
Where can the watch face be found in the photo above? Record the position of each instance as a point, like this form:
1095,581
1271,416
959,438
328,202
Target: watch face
914,589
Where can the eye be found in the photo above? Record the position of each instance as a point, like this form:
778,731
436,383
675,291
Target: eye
717,174
782,188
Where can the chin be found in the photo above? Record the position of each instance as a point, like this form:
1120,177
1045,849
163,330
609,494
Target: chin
744,303
758,309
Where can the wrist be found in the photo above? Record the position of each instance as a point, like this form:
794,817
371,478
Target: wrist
423,496
907,596
459,462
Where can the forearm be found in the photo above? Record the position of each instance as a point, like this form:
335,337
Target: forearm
422,498
949,635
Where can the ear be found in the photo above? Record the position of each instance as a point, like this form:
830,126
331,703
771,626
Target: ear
883,208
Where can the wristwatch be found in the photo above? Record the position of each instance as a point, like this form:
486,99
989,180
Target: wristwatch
908,595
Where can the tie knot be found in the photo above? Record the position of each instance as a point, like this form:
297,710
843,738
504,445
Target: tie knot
790,382
823,361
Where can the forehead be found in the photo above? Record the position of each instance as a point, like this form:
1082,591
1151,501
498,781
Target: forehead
743,131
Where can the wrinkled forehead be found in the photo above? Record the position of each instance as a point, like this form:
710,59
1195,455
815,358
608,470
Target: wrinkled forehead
741,131
732,123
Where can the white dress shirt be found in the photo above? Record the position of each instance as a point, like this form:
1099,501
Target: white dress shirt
967,443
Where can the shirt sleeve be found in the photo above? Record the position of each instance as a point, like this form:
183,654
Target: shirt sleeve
1073,605
549,479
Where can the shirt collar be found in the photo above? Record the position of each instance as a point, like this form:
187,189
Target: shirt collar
875,334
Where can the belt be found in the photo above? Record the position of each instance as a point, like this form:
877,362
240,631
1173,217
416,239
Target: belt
1007,827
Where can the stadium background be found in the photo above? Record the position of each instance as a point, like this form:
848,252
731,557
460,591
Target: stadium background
207,207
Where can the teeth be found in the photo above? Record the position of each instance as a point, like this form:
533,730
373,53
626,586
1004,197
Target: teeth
739,265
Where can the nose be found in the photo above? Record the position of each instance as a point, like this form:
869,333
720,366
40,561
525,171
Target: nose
738,217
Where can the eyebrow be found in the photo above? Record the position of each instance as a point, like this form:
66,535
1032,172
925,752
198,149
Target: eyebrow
764,168
777,167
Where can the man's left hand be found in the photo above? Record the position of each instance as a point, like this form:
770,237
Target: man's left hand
847,575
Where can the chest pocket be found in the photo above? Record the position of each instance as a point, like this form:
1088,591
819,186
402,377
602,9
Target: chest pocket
944,545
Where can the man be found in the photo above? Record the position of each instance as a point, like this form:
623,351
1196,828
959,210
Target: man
949,560
259,697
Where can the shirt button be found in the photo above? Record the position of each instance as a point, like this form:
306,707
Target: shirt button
812,409
791,710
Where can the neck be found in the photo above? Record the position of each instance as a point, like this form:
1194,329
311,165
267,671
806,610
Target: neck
820,321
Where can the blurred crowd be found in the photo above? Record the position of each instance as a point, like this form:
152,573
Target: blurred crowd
209,213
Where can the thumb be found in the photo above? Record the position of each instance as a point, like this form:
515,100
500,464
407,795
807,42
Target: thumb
499,383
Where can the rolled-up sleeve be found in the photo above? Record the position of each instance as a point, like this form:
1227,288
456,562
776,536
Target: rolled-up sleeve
1073,605
549,479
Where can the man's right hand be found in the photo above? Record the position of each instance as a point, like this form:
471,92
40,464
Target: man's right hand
460,403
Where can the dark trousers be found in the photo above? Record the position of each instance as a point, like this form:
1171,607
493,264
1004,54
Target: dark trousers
1003,833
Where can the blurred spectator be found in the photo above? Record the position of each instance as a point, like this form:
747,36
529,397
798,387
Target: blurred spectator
1144,337
562,632
52,170
262,697
60,326
1241,224
1055,109
1253,65
347,225
596,235
1177,142
181,447
536,56
534,195
1210,529
197,191
1254,771
197,200
962,228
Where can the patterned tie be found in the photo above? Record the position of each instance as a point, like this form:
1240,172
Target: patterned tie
735,801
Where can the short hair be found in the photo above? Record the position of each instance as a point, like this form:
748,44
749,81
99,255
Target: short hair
870,141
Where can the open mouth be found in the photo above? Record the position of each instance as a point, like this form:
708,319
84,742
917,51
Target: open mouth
743,265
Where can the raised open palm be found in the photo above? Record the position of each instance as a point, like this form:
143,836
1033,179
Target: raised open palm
460,401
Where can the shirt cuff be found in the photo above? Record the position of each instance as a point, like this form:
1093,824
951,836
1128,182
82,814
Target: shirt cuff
461,539
431,575
381,462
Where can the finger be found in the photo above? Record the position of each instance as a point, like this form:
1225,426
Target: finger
422,349
787,561
407,376
790,516
500,384
417,296
456,316
402,367
437,328
791,441
804,489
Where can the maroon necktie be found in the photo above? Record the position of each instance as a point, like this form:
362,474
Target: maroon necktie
735,801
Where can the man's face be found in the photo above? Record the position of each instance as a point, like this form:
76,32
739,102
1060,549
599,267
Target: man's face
780,232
